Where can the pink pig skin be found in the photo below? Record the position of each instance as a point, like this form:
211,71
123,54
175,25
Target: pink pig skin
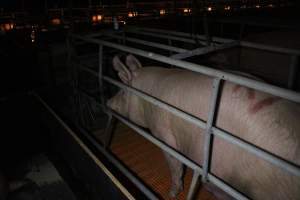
268,122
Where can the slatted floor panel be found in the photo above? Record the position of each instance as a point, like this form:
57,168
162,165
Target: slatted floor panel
148,162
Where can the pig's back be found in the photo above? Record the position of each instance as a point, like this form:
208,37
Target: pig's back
251,115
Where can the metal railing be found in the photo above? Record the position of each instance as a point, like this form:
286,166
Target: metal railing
208,126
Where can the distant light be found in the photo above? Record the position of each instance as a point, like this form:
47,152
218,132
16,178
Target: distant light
162,12
132,14
187,10
271,6
243,6
227,8
56,21
99,17
32,36
44,30
7,27
209,9
257,6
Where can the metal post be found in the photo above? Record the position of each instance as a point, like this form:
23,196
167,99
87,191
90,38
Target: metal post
193,186
208,131
109,130
293,71
206,30
100,75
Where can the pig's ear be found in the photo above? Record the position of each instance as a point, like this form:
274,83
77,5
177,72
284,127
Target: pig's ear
123,72
133,63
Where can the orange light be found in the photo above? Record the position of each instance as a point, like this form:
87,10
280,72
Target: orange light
56,21
186,10
162,12
99,17
132,14
7,27
209,9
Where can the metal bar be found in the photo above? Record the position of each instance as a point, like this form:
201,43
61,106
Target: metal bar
198,122
277,161
182,34
108,130
270,48
209,124
225,40
211,177
114,161
264,87
206,29
204,50
226,188
193,186
293,71
151,44
100,73
157,142
187,40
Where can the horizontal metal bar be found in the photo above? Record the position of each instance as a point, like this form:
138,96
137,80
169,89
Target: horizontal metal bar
204,50
264,87
159,103
258,152
147,43
256,22
226,188
226,40
114,161
187,40
157,142
210,177
270,48
154,101
198,122
181,34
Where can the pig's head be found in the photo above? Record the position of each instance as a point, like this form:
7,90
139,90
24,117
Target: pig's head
124,102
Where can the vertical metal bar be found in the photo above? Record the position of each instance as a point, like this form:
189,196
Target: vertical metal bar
170,44
208,132
206,29
193,186
222,29
123,38
100,74
242,28
109,130
292,71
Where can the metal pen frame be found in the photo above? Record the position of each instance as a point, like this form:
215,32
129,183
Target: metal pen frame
208,126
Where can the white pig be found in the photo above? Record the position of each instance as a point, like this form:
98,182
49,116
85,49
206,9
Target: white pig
268,122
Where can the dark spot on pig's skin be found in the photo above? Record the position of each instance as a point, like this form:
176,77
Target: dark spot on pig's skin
251,94
262,104
236,88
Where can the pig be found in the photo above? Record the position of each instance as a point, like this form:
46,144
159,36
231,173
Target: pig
270,123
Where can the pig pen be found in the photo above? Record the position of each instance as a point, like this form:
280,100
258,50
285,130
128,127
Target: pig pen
177,47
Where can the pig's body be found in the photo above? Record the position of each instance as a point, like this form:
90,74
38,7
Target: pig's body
266,121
